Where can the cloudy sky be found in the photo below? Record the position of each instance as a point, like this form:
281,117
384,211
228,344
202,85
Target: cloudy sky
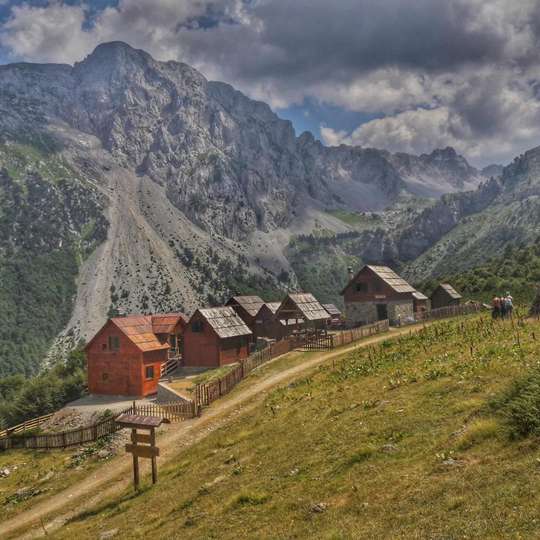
406,75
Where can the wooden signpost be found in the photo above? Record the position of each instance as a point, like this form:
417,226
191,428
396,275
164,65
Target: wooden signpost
142,444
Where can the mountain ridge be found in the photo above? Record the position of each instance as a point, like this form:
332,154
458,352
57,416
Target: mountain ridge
201,188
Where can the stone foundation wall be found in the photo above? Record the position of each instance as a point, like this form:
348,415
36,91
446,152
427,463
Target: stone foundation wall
360,313
166,394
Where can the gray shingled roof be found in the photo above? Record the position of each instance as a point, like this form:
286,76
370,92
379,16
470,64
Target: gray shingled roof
332,309
251,304
392,279
273,306
307,305
419,296
225,322
450,290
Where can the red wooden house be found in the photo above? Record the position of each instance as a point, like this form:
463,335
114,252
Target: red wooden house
215,337
125,357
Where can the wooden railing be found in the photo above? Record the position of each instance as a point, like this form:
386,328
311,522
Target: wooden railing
169,366
29,425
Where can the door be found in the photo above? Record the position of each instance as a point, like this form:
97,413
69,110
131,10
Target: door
382,312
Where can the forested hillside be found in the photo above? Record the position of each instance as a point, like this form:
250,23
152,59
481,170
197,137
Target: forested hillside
516,270
50,221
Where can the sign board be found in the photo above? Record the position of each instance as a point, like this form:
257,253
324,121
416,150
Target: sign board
141,438
142,451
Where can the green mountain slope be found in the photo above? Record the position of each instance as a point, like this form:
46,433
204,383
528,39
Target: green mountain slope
397,441
50,220
515,269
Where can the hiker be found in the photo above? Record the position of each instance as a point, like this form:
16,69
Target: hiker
503,307
496,307
508,304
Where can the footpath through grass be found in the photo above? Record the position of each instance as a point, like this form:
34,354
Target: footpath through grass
399,440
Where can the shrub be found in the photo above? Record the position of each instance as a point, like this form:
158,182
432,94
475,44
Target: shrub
519,405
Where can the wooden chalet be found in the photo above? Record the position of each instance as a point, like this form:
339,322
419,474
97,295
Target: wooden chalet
247,308
303,312
336,318
377,293
268,325
125,357
215,337
421,302
445,295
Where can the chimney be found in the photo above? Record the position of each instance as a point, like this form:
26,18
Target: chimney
351,273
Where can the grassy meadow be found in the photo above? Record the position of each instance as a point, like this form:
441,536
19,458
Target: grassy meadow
426,436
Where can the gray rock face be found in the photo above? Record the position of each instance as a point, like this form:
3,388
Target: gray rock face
228,162
191,189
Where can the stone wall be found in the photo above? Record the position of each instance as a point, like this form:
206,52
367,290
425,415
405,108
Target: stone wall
360,313
166,394
400,311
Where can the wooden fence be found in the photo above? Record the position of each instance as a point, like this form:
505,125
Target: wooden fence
448,311
206,393
172,412
62,439
354,334
29,425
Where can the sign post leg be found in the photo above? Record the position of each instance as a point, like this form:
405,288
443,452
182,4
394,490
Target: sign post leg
154,458
135,463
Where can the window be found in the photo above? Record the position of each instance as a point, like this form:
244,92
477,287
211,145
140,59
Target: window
114,343
104,377
362,287
197,326
149,372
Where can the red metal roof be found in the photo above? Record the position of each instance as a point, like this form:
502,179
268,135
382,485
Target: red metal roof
138,328
165,323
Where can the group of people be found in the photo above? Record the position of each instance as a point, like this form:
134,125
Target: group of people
502,306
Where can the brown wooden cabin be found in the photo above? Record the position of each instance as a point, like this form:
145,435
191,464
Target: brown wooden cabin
336,317
377,293
303,313
267,324
247,308
215,337
421,302
125,357
445,295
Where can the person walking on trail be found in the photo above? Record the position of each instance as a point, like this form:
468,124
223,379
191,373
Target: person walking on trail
503,307
496,307
508,304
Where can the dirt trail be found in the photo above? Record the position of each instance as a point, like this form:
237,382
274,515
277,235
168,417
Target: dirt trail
115,476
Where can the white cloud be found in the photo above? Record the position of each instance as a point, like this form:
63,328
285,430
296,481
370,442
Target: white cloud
443,72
